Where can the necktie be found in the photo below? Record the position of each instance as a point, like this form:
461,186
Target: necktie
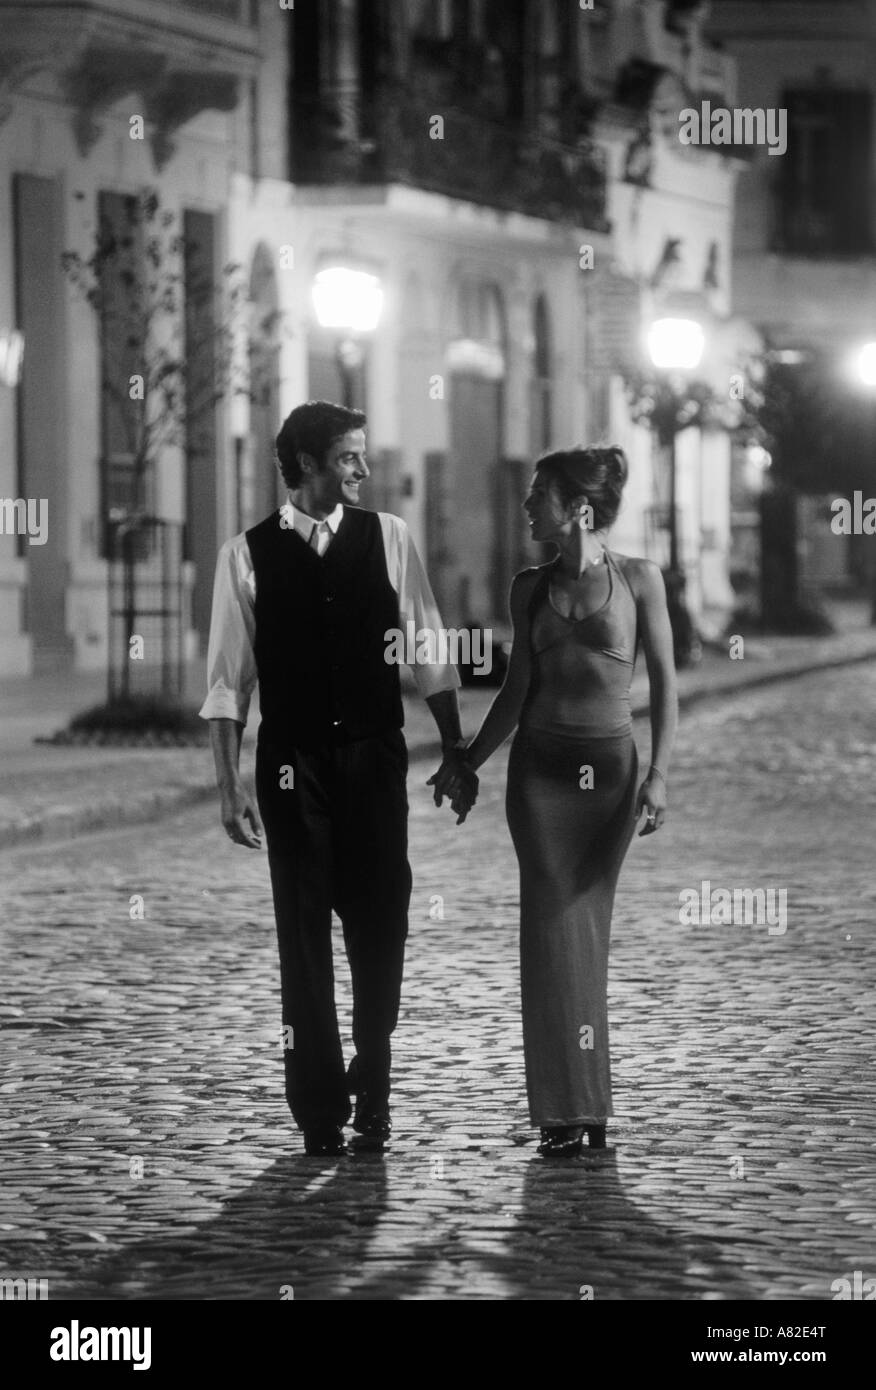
318,537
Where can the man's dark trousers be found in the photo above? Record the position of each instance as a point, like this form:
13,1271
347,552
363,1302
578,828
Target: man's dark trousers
337,838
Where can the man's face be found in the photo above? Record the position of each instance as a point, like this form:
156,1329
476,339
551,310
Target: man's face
343,470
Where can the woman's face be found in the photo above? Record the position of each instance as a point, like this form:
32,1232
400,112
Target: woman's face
549,518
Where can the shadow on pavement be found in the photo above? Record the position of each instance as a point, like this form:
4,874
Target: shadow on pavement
300,1230
578,1235
573,1235
315,1233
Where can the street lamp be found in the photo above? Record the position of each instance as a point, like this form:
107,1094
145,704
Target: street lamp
675,346
11,355
350,302
865,365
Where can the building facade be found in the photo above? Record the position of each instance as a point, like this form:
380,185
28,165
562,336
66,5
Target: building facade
805,224
510,173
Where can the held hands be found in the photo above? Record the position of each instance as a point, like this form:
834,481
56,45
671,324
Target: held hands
457,781
652,800
240,817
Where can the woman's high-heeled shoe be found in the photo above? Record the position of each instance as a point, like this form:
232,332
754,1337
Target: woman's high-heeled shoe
565,1141
561,1141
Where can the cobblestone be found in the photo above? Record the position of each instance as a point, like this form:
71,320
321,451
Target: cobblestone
53,792
735,1052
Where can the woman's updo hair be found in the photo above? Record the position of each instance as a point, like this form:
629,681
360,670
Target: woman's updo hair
594,472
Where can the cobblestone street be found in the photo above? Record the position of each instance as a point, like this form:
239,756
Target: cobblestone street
148,1152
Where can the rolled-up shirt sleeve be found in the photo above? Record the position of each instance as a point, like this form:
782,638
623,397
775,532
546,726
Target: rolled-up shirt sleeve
231,668
416,605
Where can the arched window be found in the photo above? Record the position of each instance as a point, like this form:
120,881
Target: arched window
479,342
480,311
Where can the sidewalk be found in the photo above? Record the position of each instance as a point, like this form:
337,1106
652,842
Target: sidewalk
53,791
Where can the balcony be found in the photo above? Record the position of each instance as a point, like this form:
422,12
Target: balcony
179,59
483,161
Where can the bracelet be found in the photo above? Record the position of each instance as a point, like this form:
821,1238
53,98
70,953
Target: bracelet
652,768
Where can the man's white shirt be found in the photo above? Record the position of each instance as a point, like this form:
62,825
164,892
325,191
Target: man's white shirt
231,668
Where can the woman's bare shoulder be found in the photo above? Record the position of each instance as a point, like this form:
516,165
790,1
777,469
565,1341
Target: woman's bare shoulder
525,581
643,576
522,587
530,574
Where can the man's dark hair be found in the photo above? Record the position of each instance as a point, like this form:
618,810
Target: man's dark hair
311,429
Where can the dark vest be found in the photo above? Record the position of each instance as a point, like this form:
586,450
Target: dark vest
319,633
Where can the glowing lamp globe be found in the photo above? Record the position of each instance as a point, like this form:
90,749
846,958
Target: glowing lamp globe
676,344
347,299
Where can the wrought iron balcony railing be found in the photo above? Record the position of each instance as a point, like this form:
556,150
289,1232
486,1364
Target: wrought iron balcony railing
484,161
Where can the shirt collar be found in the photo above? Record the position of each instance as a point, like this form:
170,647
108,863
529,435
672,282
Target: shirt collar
299,521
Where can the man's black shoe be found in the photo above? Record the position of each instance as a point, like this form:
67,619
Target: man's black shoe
371,1123
325,1141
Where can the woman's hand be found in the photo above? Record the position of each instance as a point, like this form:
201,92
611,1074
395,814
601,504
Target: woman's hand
652,800
457,781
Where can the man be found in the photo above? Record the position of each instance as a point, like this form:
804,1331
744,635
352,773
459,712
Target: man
303,602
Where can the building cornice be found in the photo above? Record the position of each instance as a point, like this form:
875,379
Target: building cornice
100,54
423,208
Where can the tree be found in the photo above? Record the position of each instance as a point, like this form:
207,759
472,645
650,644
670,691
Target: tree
171,349
160,313
821,436
818,433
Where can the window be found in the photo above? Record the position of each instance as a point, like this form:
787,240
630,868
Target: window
542,372
121,359
824,178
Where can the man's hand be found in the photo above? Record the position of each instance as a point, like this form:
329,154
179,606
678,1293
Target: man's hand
457,781
238,808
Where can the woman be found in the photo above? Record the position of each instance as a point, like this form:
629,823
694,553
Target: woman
572,800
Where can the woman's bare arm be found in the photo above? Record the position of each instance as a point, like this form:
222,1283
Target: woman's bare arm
503,715
654,626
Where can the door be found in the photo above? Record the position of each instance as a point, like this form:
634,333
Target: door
439,513
475,449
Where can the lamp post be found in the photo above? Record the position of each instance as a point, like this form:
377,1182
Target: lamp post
675,346
11,355
864,366
348,301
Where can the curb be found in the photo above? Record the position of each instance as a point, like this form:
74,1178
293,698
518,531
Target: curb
71,822
686,698
66,822
729,688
